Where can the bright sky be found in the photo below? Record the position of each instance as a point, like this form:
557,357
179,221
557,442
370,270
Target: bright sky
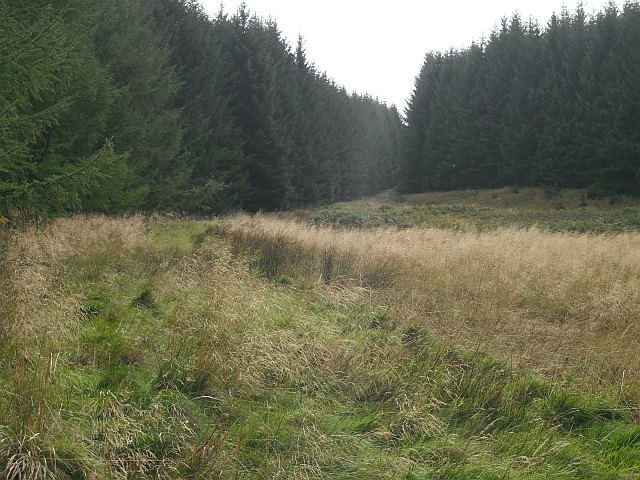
378,46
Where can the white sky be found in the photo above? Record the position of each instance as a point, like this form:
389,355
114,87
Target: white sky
378,47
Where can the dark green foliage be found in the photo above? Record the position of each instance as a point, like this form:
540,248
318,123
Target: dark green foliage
143,119
211,142
555,106
126,105
54,95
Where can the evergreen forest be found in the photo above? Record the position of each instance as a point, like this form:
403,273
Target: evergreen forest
553,106
122,105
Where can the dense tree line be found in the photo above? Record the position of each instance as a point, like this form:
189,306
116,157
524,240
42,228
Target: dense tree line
531,106
118,105
125,105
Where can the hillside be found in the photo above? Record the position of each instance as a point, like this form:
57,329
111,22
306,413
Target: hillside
252,347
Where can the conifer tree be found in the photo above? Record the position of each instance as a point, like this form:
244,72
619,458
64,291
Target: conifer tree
552,107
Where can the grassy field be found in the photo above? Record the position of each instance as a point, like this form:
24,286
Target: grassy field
523,199
485,210
563,304
258,347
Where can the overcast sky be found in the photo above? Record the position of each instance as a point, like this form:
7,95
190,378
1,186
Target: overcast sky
378,46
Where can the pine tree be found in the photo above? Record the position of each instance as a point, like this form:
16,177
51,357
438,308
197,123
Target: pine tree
142,120
550,108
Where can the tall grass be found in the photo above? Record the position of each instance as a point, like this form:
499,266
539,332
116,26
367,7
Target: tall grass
40,314
562,303
148,348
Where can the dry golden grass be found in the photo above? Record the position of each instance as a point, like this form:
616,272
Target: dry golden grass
561,303
226,375
234,318
39,312
37,308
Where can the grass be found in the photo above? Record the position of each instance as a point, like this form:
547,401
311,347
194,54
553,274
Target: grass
487,210
540,199
257,348
562,304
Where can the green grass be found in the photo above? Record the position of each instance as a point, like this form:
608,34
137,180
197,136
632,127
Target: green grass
189,362
548,198
487,210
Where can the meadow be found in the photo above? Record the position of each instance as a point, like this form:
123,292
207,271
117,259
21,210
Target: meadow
486,210
284,346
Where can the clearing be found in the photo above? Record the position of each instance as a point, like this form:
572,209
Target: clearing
292,347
